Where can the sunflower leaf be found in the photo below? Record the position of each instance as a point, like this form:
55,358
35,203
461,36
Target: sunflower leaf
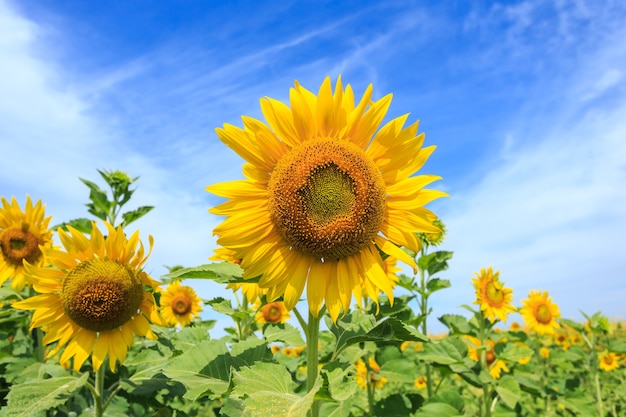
285,333
136,214
35,396
509,391
221,272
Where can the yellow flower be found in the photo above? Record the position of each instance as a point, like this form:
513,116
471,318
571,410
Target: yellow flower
369,372
544,352
540,313
494,365
93,300
421,382
274,312
180,304
21,235
493,298
434,239
608,361
325,189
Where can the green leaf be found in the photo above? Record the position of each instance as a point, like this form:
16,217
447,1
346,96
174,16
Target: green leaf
221,305
456,323
335,376
581,405
435,262
395,405
436,284
268,390
35,396
509,391
514,353
452,398
82,224
131,216
444,352
100,201
437,409
222,272
285,333
389,329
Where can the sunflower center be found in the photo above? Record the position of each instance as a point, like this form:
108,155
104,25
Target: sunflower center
181,304
608,359
18,244
271,313
490,356
327,199
543,314
100,294
495,295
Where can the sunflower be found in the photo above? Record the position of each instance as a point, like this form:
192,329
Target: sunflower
369,372
21,235
493,298
494,365
608,361
421,382
274,312
93,300
180,304
540,313
325,189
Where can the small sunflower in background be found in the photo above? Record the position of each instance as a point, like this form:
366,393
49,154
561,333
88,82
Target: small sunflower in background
326,188
421,382
21,235
495,365
540,313
491,295
369,372
93,300
608,361
274,312
180,304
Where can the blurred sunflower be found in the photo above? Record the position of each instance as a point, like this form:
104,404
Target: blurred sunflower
494,300
180,304
93,300
494,365
369,372
325,188
274,312
421,382
608,361
540,313
21,235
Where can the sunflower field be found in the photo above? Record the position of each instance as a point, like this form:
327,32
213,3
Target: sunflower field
332,210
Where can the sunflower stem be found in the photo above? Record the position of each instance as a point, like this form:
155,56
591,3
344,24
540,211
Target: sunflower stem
312,338
99,391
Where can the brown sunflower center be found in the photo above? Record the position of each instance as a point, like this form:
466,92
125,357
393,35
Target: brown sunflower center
19,243
495,295
327,199
543,314
607,359
490,356
181,304
271,313
100,294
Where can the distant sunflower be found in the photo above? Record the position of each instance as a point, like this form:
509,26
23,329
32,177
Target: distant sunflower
21,235
180,304
494,364
421,382
494,300
540,313
274,312
608,361
369,372
325,188
93,300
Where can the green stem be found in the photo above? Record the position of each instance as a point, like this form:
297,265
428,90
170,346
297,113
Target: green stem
599,395
483,364
312,339
424,312
99,391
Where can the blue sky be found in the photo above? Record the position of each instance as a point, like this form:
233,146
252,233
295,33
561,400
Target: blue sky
526,101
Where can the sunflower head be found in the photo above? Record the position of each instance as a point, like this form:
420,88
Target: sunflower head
95,298
437,238
494,300
608,361
274,312
421,382
180,304
540,313
22,233
326,188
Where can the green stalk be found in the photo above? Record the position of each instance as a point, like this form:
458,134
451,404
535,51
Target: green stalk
312,360
483,363
424,312
99,391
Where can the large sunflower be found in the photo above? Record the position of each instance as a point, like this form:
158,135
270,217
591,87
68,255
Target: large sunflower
180,304
21,235
540,313
93,299
325,189
494,300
